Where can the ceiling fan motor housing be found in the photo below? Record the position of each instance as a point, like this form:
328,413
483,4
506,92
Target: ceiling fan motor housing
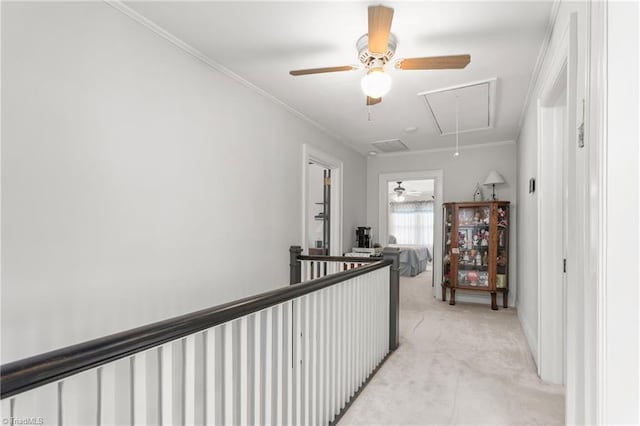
375,59
399,189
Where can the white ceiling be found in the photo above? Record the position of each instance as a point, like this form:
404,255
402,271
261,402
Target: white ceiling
262,41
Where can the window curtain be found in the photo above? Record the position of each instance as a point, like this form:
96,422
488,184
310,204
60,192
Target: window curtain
411,222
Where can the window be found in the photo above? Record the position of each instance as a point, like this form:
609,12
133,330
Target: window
411,222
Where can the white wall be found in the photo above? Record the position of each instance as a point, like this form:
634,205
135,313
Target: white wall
116,148
460,176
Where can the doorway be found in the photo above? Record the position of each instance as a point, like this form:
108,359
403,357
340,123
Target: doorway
551,233
559,293
413,217
410,213
318,209
321,202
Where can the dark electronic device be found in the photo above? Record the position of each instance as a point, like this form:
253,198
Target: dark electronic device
363,237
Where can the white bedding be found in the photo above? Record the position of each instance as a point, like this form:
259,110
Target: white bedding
413,258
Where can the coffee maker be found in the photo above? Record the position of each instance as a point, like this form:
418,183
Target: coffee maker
363,236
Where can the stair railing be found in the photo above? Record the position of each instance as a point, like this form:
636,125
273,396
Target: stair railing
295,355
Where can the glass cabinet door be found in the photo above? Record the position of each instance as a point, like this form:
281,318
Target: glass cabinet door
473,238
502,264
446,246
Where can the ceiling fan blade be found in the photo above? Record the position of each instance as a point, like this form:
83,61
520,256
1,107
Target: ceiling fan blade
380,18
373,101
434,63
322,70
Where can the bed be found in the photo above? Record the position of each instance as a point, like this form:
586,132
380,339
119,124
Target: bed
413,258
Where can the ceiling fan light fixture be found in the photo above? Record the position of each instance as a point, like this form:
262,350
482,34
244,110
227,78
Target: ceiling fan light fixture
376,83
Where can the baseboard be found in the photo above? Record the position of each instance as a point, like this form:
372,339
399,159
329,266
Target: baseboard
531,337
481,298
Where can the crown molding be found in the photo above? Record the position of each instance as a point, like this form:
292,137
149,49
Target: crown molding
542,53
452,149
144,21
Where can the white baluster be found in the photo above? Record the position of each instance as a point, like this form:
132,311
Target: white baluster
259,368
280,367
229,390
341,346
268,378
376,343
297,361
380,325
166,384
214,386
139,388
384,305
320,370
60,399
313,360
372,290
359,323
305,358
350,286
365,332
107,394
329,390
288,361
357,326
337,347
189,379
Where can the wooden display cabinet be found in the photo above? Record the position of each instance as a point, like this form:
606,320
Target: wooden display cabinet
476,249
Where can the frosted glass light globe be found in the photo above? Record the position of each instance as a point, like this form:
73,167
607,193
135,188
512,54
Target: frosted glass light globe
376,83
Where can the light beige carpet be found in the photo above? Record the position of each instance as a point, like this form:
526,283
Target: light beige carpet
462,364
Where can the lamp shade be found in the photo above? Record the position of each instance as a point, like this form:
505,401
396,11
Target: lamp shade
376,83
494,178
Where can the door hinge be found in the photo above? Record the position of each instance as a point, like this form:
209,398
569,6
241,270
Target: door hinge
564,265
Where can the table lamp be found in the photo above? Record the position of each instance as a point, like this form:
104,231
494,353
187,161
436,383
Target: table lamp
493,179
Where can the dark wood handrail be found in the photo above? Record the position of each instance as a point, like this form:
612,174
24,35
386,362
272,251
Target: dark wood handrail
345,259
29,373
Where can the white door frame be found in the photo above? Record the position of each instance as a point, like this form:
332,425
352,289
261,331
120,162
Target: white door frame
310,153
556,166
383,213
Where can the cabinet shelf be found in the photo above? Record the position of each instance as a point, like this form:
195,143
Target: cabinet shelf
481,268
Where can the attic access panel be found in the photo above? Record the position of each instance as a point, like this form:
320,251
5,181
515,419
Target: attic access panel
392,145
476,103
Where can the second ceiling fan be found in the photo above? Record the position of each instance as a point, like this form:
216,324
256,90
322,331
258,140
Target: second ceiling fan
375,50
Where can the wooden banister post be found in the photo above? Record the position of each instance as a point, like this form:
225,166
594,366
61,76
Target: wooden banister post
393,254
295,268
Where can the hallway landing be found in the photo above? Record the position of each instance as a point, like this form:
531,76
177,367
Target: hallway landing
462,364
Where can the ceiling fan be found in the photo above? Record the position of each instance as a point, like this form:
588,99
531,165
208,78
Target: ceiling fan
399,189
375,50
